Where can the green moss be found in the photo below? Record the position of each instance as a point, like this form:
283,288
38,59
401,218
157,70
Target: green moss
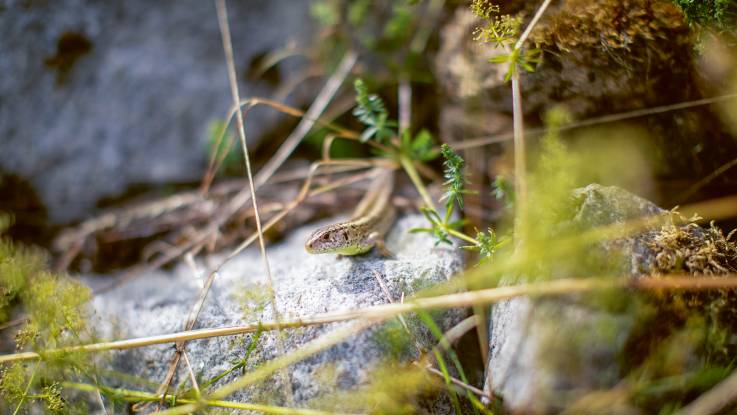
385,393
253,298
57,315
13,381
394,340
18,264
718,13
612,25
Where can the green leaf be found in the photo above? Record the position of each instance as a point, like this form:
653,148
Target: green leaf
371,112
453,173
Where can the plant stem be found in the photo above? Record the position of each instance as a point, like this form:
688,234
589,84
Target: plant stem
461,235
520,161
533,22
382,312
138,396
28,387
409,167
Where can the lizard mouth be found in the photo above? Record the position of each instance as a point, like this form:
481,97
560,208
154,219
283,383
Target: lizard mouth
312,245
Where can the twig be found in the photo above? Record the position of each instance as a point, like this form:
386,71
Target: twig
713,175
456,332
133,395
28,387
520,163
192,377
306,123
475,142
450,336
385,311
390,299
194,312
222,12
405,104
715,399
409,167
458,382
321,343
13,323
532,24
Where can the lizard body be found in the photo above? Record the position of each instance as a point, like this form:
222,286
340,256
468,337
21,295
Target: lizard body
366,228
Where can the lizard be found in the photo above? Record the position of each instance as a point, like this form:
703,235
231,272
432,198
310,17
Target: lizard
366,228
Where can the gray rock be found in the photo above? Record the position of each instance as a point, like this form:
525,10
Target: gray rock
598,205
545,353
305,285
97,96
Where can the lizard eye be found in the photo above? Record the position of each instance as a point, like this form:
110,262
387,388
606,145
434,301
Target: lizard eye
325,237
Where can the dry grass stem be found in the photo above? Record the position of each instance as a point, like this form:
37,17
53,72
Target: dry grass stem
385,311
713,401
222,12
482,141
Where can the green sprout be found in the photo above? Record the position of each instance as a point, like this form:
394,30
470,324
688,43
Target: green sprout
454,179
487,244
439,228
56,313
421,147
220,145
503,190
371,112
502,32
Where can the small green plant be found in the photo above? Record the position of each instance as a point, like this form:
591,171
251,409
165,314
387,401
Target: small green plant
717,13
503,190
502,32
220,145
372,113
370,110
56,313
393,31
486,244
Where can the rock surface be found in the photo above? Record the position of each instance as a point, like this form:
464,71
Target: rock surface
546,353
598,58
305,285
97,96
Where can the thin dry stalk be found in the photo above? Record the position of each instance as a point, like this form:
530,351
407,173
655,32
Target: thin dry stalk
192,377
308,120
323,342
222,12
458,382
715,209
306,123
520,162
605,119
703,182
405,104
194,313
531,25
713,401
385,311
449,337
134,395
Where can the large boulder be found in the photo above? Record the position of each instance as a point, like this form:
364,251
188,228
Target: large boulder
557,353
99,96
305,285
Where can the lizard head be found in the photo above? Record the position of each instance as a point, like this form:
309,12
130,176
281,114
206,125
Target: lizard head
328,240
337,239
